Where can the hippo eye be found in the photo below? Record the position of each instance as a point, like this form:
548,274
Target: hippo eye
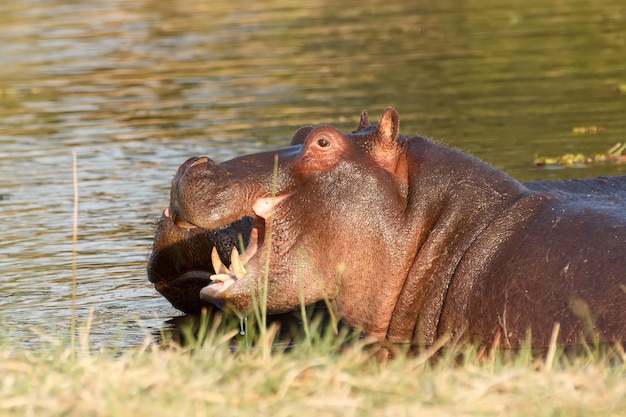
323,143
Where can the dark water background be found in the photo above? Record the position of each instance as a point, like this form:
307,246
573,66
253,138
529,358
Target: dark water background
135,88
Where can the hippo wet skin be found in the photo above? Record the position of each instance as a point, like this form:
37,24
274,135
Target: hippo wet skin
408,239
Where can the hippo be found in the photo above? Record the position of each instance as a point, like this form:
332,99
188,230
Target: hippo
406,240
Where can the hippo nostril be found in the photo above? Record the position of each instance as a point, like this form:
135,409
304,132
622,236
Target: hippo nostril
193,161
201,160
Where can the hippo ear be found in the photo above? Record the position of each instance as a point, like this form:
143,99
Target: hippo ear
389,151
363,122
301,134
389,126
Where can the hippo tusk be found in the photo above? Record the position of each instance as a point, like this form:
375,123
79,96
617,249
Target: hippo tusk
218,266
236,265
221,277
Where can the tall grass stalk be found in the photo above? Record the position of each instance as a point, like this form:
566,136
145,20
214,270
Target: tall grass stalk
334,320
552,346
74,253
303,312
259,302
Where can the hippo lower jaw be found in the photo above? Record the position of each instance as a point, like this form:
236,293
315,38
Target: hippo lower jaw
193,275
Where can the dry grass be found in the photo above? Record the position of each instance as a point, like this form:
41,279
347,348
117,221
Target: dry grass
320,376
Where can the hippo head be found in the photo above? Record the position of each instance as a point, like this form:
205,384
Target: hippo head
314,218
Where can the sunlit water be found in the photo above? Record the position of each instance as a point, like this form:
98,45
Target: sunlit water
135,88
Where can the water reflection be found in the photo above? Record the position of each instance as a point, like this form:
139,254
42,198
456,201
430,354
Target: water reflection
136,88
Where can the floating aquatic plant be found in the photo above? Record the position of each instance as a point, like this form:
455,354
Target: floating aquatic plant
615,154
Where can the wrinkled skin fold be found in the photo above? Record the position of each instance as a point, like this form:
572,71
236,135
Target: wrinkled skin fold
408,239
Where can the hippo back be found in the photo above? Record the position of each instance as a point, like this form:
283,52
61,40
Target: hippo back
608,186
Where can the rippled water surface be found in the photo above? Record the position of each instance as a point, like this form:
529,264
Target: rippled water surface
135,88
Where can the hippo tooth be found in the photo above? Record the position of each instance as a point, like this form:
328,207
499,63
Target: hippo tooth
236,265
218,266
221,277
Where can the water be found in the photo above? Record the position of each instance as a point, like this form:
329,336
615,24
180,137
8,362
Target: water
135,88
243,325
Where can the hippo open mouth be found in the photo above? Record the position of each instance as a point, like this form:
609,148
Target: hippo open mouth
222,275
225,277
180,265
